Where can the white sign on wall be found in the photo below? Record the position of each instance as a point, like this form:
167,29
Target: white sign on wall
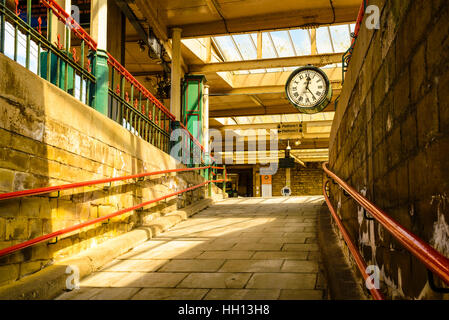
266,191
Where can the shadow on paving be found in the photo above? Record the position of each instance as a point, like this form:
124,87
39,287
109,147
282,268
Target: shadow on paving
250,248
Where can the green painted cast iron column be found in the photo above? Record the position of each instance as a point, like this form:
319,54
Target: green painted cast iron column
100,70
192,105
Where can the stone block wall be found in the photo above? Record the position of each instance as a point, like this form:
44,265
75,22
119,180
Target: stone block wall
47,137
390,138
304,181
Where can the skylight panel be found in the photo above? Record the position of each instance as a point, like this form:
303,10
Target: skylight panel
301,41
228,48
340,37
243,120
245,46
329,66
290,118
275,70
352,26
267,47
258,70
282,43
323,43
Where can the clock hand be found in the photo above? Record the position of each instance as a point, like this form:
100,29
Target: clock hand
308,82
312,93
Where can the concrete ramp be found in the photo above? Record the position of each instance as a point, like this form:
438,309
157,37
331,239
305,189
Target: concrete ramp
245,248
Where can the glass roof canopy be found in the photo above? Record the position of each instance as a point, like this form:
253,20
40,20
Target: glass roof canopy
279,44
281,118
284,43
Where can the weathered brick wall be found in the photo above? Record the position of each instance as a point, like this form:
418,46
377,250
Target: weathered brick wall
48,138
303,181
390,138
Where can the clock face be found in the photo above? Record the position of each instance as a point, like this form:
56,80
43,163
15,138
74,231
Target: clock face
308,89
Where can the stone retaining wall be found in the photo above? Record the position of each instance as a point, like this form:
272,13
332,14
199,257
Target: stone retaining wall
47,137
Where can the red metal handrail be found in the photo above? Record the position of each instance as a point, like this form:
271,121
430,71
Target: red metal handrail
55,234
147,94
128,76
360,262
68,19
430,257
359,20
81,33
33,192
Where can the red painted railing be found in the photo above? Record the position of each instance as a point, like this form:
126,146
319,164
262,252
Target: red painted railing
69,21
148,95
359,20
360,262
348,54
430,257
55,234
33,192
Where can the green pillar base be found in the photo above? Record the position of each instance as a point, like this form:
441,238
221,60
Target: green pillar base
100,69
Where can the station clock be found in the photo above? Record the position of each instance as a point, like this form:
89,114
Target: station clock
308,89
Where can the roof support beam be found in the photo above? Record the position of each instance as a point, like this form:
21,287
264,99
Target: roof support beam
214,8
317,60
257,111
313,143
298,160
336,88
322,123
273,21
208,49
151,11
259,45
313,41
256,100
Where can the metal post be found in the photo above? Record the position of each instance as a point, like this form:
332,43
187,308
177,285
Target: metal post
49,30
82,66
15,41
208,173
175,100
27,59
39,59
122,96
2,32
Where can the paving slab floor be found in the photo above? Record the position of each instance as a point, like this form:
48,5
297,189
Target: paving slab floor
239,248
